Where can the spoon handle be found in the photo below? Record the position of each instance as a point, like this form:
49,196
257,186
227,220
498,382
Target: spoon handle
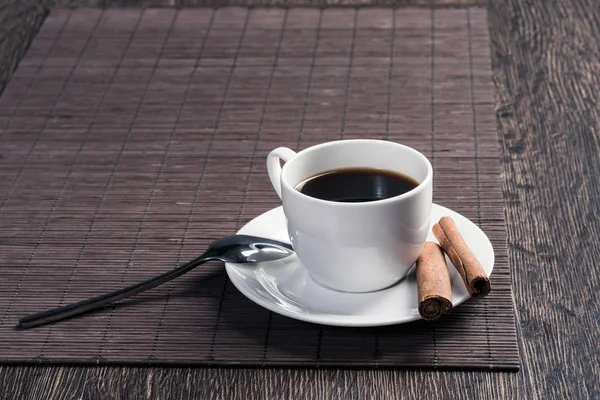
80,307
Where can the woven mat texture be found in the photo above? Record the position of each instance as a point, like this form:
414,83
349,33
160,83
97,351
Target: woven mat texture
130,139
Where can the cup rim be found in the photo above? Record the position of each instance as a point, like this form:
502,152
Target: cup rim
413,192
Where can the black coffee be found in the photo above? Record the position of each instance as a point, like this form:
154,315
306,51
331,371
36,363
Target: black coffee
355,185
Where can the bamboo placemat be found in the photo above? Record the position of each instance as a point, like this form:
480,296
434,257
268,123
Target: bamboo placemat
132,138
268,3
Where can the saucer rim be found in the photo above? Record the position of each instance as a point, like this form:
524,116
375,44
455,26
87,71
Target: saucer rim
337,319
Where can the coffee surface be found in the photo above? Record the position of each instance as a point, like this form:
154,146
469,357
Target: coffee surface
357,185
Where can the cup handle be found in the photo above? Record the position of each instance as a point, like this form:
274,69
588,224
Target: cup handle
274,165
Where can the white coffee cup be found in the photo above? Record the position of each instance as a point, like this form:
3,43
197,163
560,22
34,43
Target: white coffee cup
354,247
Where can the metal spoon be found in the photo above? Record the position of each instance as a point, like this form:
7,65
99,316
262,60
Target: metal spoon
232,249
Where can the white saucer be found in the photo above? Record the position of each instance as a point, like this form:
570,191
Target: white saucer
285,287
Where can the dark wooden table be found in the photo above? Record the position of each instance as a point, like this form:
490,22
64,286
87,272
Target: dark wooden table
546,62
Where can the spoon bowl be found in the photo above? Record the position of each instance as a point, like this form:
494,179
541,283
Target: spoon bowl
243,249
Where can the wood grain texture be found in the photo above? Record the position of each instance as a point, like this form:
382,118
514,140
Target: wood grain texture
545,61
19,23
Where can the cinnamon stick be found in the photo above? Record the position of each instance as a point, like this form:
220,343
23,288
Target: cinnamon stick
468,266
433,283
